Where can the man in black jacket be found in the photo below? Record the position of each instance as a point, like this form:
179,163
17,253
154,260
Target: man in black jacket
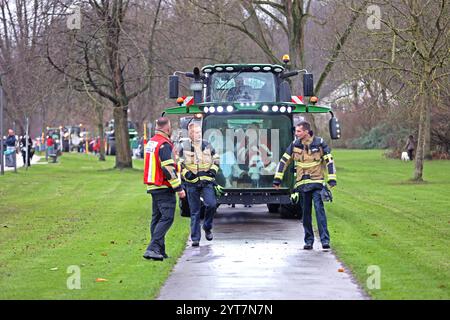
23,147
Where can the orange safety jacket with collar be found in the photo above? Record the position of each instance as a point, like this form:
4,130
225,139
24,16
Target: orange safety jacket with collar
160,170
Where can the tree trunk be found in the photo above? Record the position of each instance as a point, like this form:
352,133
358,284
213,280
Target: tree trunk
427,146
101,130
122,139
418,172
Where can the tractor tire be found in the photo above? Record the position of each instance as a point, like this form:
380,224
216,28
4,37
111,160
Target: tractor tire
291,211
273,207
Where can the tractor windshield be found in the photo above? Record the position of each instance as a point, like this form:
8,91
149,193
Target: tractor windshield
242,87
249,146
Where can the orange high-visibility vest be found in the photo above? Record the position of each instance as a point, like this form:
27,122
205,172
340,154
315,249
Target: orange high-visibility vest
153,174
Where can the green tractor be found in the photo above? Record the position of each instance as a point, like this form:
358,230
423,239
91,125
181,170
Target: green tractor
247,112
110,139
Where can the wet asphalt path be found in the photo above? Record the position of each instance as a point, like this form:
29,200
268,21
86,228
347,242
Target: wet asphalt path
256,255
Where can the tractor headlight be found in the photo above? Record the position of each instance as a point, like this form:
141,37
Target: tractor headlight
219,109
265,108
282,109
274,108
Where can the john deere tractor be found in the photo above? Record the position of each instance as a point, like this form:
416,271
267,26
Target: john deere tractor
247,112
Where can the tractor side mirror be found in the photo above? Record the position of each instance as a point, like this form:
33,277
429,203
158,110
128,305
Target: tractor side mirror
173,87
335,128
285,92
308,85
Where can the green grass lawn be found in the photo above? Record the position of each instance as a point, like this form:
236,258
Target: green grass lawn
80,212
380,218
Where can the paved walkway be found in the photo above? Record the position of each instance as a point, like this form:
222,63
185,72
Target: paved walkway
257,255
19,158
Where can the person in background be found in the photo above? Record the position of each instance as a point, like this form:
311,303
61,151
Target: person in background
10,153
50,145
23,148
410,147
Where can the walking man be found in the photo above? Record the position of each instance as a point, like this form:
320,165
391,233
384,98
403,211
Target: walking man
312,157
160,175
199,165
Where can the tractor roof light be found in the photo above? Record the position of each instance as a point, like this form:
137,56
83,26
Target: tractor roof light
313,99
267,68
275,108
278,70
265,108
230,108
219,69
256,68
180,100
208,70
289,109
229,68
286,58
212,109
282,109
205,109
219,109
198,115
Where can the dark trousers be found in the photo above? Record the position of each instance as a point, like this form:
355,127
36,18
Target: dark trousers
307,199
24,156
162,218
194,191
411,154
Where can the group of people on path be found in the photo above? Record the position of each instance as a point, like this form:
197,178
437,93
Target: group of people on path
13,144
198,165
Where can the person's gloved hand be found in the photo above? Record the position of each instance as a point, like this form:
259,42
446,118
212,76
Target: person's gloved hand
332,183
295,197
218,190
326,194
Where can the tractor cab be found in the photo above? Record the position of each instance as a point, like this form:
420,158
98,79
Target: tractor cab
247,113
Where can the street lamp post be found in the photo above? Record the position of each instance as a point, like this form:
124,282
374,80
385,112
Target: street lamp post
26,145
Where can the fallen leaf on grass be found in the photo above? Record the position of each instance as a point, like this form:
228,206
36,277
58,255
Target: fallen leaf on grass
341,270
53,269
100,280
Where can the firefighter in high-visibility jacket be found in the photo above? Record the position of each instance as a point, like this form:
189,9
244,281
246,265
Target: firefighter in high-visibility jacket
160,174
199,165
312,158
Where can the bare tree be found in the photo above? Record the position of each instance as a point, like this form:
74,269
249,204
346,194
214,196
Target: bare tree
412,46
107,58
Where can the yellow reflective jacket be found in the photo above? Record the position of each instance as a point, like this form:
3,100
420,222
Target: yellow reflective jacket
198,161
